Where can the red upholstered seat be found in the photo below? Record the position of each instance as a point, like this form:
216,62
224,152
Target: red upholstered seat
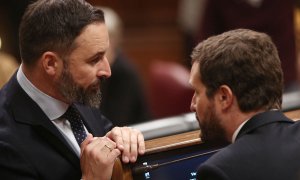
169,91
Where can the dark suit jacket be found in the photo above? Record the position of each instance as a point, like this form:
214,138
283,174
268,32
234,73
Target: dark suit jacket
31,147
267,148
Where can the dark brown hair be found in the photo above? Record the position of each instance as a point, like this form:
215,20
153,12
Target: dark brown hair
53,25
247,62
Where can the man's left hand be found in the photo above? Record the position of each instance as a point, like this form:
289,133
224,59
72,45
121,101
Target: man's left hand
129,141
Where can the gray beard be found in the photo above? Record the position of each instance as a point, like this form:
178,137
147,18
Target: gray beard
77,94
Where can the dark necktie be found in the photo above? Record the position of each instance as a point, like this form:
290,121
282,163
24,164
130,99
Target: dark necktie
75,120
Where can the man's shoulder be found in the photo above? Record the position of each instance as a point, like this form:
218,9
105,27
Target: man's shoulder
225,155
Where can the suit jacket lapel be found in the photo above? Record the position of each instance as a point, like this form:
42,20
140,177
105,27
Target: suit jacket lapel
263,119
26,111
94,123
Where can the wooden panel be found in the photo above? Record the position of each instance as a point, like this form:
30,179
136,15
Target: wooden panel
294,115
172,142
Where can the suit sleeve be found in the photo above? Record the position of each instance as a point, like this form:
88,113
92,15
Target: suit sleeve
101,124
13,165
209,172
107,124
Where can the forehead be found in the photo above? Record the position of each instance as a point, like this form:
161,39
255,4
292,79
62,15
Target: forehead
93,39
195,74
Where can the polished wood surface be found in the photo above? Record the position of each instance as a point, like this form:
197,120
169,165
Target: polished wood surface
171,142
294,115
123,172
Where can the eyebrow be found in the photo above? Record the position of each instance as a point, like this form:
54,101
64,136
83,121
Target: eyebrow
96,55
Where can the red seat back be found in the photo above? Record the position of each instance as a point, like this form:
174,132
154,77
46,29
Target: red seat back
169,91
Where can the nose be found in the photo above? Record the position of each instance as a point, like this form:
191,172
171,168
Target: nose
193,104
104,68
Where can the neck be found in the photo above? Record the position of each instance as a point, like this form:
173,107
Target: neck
236,119
41,80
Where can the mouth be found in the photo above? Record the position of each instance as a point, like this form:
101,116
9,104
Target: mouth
95,86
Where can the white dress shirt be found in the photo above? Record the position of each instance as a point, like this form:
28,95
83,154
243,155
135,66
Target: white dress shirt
52,107
236,132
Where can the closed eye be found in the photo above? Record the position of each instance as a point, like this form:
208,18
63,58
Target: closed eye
96,58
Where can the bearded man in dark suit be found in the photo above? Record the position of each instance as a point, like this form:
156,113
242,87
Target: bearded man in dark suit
238,83
63,46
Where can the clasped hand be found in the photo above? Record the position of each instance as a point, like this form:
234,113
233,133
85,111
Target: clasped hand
98,154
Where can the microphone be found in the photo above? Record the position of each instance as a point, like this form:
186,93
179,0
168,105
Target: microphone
146,168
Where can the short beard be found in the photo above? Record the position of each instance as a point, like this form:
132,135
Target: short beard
211,129
75,93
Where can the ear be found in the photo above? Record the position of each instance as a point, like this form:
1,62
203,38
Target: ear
225,97
50,62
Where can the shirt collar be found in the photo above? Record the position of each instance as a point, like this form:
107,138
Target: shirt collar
52,107
236,132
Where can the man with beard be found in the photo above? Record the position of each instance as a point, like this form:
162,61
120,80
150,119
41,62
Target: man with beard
51,104
238,82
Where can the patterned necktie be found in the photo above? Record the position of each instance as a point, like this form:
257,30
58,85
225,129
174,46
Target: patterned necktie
75,120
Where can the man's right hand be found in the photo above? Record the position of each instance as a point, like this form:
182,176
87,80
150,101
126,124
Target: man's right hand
98,155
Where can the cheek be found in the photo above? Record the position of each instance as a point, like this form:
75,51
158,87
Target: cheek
200,112
203,106
84,77
200,104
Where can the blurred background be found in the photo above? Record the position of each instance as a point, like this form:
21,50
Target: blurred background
158,36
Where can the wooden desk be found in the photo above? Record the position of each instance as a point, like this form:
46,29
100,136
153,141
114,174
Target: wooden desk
169,143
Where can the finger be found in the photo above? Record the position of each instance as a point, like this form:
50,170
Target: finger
110,154
133,145
107,145
94,146
113,155
110,143
126,138
116,135
107,148
141,143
